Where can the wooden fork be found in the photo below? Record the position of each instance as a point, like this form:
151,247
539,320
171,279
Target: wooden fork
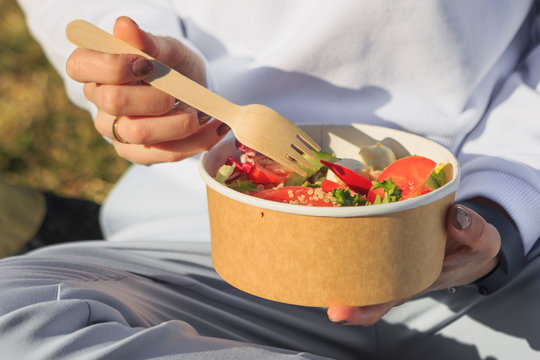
256,126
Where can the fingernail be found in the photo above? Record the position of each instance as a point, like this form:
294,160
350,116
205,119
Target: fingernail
462,219
342,322
133,21
203,118
223,129
141,67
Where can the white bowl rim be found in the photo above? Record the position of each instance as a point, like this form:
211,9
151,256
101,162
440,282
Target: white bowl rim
344,211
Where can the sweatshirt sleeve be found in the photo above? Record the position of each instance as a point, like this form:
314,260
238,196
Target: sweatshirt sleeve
47,20
500,159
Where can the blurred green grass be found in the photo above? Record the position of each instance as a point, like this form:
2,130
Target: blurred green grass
46,142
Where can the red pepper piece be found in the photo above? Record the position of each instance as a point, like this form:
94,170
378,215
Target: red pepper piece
354,180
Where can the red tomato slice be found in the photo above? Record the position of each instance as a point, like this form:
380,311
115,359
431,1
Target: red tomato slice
423,190
408,173
329,186
268,171
299,195
372,194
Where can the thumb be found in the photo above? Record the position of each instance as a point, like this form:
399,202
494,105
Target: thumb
126,29
165,49
471,248
467,229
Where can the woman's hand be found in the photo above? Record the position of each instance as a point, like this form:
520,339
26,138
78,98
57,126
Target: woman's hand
471,253
151,126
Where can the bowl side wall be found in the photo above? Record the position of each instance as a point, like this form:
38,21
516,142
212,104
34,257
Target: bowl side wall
318,261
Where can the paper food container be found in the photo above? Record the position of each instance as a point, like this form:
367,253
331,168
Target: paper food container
315,256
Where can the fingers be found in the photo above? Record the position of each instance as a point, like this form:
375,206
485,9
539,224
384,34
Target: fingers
469,234
471,250
154,128
130,99
203,139
113,82
471,253
172,137
127,30
150,130
364,315
85,65
167,50
92,66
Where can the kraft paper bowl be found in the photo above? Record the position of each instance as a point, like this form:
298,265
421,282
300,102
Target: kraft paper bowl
314,256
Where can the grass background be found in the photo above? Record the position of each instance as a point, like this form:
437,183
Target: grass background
46,142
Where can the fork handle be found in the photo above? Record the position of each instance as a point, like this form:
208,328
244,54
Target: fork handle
170,81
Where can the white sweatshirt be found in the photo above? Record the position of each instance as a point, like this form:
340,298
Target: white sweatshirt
463,73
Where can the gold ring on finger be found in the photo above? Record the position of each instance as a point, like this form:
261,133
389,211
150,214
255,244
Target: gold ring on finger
117,136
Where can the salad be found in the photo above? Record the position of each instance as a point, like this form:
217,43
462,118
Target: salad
372,177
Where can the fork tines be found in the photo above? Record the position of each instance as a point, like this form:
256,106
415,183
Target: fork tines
303,145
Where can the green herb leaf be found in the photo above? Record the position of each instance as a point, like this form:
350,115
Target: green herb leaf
391,192
243,185
345,198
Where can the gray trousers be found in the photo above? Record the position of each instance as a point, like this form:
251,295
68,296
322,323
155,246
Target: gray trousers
147,300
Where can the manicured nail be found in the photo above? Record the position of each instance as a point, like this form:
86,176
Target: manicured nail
141,67
203,118
223,129
462,219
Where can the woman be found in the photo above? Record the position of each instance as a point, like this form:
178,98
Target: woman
465,74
